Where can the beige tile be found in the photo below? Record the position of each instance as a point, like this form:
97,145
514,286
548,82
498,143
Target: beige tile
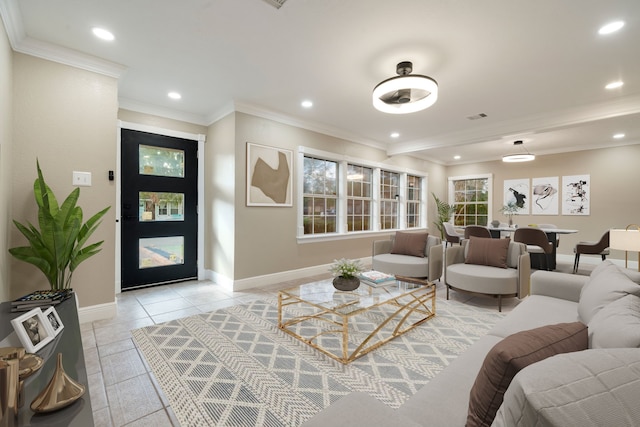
167,306
88,338
208,308
102,418
119,331
157,419
154,295
92,360
132,399
206,298
122,366
116,347
125,314
97,392
178,314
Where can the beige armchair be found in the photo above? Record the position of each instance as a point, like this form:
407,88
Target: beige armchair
471,268
428,265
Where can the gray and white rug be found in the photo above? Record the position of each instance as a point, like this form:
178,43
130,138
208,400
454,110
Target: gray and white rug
234,367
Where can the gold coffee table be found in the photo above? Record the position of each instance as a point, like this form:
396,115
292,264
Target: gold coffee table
348,325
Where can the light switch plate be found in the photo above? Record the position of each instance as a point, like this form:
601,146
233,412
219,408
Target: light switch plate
82,179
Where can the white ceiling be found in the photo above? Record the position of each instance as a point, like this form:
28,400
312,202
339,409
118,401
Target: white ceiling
536,68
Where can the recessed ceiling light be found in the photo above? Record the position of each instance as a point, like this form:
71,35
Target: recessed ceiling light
611,27
619,135
614,85
174,95
456,157
395,135
103,34
306,104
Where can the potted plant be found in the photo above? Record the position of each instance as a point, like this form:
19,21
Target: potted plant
445,211
58,247
509,210
345,274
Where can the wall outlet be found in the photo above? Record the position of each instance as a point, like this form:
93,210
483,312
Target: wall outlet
82,179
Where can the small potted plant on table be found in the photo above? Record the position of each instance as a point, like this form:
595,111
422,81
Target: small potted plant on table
345,274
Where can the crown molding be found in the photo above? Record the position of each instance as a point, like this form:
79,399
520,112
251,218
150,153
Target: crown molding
21,42
532,124
168,113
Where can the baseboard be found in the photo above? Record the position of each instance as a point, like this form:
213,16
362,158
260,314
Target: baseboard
272,279
97,312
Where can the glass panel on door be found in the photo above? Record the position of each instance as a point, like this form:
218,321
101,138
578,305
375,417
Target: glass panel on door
154,206
161,161
161,251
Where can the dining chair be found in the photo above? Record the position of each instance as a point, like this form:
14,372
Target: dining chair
451,235
536,241
551,227
600,247
477,231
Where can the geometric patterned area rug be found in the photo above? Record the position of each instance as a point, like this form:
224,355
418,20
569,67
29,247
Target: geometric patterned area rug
234,367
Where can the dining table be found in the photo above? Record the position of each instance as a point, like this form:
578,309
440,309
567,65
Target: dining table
552,236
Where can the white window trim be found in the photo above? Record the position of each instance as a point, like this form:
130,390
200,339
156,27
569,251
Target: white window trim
487,176
342,161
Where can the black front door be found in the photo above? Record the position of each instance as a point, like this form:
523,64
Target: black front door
159,190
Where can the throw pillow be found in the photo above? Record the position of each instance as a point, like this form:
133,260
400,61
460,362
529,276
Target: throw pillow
410,243
511,355
608,285
617,325
487,251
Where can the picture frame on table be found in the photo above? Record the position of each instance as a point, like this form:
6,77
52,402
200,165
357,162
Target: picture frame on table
54,320
33,330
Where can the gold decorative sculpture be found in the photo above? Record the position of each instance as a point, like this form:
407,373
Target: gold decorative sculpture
9,391
61,391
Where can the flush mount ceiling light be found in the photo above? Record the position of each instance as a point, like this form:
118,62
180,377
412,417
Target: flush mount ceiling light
518,157
406,93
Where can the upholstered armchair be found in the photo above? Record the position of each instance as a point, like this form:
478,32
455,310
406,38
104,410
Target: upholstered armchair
409,253
495,267
601,247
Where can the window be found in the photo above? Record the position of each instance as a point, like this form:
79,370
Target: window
337,196
359,184
471,199
414,193
320,195
389,192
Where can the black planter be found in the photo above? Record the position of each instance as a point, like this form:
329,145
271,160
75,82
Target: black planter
346,284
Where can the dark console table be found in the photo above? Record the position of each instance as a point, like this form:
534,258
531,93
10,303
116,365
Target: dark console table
69,343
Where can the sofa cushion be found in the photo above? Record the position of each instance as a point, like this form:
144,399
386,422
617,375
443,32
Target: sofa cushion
483,279
606,284
410,243
511,355
487,251
617,324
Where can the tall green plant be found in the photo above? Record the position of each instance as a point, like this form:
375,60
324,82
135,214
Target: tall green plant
445,211
59,246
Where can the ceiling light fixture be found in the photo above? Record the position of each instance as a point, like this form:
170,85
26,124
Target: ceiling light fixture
174,95
306,104
406,93
103,34
518,157
611,27
618,136
395,135
456,157
614,85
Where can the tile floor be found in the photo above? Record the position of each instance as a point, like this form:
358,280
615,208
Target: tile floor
123,390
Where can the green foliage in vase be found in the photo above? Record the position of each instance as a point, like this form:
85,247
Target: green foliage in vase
58,247
445,211
345,268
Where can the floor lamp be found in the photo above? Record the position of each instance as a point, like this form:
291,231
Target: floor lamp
627,240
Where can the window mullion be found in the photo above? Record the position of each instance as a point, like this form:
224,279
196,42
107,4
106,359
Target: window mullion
375,203
342,197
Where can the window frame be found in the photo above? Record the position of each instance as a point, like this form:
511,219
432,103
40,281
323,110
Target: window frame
489,177
342,227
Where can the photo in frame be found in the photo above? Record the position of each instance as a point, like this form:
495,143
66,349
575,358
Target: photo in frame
545,193
54,320
33,330
269,176
576,194
517,191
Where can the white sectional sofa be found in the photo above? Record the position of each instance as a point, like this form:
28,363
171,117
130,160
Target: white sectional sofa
592,387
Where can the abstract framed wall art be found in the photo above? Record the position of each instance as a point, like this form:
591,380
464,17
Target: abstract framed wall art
517,191
545,194
269,176
576,195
